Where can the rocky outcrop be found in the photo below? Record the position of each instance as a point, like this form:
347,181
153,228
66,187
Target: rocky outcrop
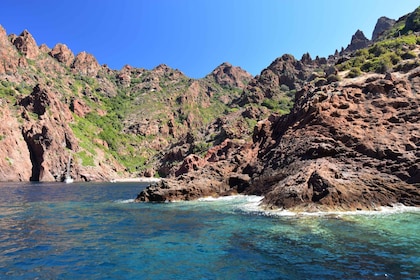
358,41
344,148
49,139
214,174
9,57
63,54
85,64
382,25
26,45
14,163
354,145
79,107
231,76
412,23
284,73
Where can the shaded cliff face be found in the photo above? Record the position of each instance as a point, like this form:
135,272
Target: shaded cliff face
382,25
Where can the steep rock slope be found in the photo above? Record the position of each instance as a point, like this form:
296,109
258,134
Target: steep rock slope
62,106
350,142
354,145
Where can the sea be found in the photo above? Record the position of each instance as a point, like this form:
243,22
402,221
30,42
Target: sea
97,231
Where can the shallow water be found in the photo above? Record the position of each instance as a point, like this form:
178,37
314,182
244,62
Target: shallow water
94,231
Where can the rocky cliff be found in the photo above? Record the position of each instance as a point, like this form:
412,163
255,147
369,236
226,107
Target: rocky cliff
58,106
310,134
351,145
350,141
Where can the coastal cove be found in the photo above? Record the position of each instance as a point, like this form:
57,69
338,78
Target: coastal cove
95,231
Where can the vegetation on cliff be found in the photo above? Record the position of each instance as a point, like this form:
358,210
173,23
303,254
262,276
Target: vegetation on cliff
228,130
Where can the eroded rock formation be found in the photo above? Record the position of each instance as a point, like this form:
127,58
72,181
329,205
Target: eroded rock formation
354,145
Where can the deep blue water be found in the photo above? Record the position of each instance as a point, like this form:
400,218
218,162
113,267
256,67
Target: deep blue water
92,231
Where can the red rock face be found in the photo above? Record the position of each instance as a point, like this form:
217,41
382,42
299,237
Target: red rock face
228,75
349,147
49,138
85,64
26,44
14,163
79,107
354,145
9,57
63,54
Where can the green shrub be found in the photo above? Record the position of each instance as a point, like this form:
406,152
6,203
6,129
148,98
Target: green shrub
377,50
354,72
87,160
201,148
333,78
408,55
378,65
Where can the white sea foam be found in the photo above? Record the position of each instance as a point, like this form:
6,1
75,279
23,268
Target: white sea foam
238,198
255,207
131,200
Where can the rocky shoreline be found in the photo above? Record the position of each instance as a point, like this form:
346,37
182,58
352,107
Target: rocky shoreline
353,145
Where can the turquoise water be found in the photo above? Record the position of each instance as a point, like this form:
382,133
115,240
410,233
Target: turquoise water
94,231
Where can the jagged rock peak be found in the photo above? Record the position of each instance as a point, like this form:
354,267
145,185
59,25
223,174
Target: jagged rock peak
227,75
162,68
358,41
306,58
26,44
383,24
63,54
86,64
44,48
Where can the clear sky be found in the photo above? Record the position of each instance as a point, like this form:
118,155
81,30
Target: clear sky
195,36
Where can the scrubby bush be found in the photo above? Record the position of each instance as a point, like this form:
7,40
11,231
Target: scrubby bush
354,72
408,55
333,78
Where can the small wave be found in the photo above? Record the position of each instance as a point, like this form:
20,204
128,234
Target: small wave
131,200
256,208
238,197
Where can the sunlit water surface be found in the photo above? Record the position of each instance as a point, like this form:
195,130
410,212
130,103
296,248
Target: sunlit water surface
95,231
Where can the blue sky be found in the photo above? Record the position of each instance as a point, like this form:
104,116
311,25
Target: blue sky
195,36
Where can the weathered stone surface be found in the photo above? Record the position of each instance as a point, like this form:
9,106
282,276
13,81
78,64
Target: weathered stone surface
213,175
9,57
382,25
26,45
358,41
350,146
14,163
85,64
231,76
49,144
63,54
79,107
